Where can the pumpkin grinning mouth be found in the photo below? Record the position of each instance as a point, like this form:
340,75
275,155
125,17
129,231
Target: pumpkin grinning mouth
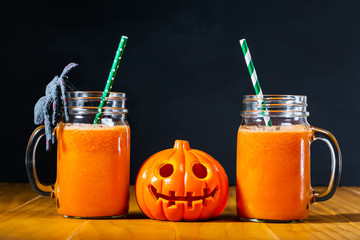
189,198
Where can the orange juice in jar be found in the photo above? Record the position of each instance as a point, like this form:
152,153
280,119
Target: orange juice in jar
93,160
273,160
92,170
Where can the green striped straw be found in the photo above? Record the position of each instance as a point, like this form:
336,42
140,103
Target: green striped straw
253,75
111,77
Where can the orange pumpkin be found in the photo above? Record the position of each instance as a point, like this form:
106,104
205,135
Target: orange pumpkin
181,184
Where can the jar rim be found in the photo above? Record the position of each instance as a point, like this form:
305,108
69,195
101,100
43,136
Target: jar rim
95,94
274,96
90,102
274,105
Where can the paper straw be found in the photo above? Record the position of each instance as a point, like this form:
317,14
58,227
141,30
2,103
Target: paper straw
111,77
253,75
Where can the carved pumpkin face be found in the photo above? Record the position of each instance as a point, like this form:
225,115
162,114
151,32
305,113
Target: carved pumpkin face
181,184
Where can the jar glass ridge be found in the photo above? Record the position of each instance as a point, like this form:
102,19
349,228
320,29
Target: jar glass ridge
84,105
281,109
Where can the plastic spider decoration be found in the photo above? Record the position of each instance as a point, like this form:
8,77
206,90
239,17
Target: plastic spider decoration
55,95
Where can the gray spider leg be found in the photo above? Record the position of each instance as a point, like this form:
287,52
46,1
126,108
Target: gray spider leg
67,69
54,112
55,104
64,99
54,120
51,96
47,123
52,136
39,111
63,76
51,87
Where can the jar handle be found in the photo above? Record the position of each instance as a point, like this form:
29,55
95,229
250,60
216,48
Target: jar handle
336,163
30,163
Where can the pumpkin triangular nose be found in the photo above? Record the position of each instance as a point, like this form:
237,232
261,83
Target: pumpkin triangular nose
181,144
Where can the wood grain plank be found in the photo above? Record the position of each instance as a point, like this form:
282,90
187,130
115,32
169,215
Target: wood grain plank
37,219
355,189
346,204
13,195
321,224
233,229
125,229
345,200
138,226
135,225
337,218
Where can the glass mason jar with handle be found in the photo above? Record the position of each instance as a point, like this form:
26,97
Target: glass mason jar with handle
93,160
273,159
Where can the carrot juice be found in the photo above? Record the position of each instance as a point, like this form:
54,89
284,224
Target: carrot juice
273,172
93,170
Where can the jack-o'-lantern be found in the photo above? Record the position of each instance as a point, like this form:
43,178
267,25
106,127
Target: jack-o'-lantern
181,184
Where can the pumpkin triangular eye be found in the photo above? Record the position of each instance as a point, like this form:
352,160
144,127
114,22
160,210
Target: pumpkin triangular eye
166,170
199,170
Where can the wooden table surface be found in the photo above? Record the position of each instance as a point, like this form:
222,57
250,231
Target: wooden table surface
25,215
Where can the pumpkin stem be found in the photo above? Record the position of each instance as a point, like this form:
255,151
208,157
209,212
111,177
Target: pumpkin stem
181,144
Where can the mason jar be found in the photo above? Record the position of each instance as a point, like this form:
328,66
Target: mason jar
273,159
93,157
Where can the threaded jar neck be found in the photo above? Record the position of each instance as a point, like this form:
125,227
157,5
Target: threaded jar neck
275,106
83,107
89,101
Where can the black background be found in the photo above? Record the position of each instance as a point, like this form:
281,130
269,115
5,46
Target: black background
183,71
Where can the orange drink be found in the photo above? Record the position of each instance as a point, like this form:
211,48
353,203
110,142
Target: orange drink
273,172
93,159
92,170
273,159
